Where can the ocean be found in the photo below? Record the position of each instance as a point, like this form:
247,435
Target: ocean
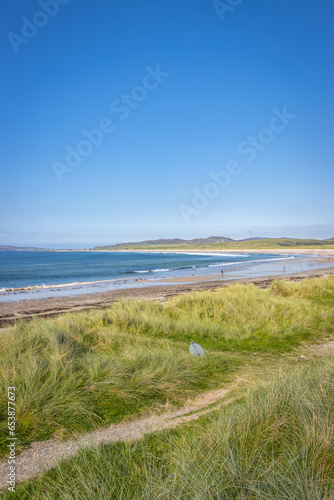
35,269
43,275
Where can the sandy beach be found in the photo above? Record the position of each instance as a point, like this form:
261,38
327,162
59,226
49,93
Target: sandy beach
11,311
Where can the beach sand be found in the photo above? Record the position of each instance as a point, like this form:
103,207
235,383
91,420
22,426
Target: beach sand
11,311
184,279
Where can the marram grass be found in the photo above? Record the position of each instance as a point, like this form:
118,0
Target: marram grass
276,443
82,371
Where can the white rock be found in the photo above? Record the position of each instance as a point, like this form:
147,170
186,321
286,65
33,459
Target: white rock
196,349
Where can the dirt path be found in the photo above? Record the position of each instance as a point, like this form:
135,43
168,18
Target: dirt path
43,455
322,349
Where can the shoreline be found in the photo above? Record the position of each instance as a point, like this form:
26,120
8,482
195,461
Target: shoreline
260,265
140,277
12,311
324,256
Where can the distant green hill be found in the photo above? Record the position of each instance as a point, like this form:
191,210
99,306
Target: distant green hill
221,243
211,243
166,242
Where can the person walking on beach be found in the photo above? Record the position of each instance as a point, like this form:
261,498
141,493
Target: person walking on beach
222,273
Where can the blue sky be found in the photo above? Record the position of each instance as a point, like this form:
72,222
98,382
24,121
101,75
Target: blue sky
181,90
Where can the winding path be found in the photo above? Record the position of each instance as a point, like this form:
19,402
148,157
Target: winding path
44,455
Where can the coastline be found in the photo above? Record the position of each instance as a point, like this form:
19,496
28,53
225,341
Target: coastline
12,311
322,252
161,270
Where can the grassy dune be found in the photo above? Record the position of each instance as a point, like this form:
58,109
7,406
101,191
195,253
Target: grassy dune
75,374
85,370
277,442
82,371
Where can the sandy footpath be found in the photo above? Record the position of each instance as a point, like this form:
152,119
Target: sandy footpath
11,311
44,455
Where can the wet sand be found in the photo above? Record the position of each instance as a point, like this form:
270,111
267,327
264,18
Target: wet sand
184,279
11,311
193,279
323,259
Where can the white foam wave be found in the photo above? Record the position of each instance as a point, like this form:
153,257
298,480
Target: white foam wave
251,261
60,285
225,264
211,254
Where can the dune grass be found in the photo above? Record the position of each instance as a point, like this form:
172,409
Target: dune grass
319,290
70,376
233,319
277,442
85,370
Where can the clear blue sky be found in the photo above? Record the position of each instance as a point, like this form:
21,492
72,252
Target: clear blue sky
220,81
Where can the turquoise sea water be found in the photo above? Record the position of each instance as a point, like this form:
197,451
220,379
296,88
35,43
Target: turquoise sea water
30,269
39,275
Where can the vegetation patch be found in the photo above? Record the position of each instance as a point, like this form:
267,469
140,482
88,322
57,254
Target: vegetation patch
82,371
275,443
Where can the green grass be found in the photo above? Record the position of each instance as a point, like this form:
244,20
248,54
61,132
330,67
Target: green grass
233,319
276,443
73,374
320,291
85,370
